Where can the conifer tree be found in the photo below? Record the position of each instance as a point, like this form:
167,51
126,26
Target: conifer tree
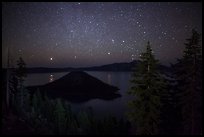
188,73
21,71
147,87
35,102
60,119
20,94
13,88
47,108
71,123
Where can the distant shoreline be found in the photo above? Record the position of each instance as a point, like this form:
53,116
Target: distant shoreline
115,67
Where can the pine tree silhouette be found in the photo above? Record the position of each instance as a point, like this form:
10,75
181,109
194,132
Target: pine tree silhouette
147,87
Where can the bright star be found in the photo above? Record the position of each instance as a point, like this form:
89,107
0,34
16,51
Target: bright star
113,41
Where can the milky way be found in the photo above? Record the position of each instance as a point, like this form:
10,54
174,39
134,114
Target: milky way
86,34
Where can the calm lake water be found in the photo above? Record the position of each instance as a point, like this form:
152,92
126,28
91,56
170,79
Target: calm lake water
101,108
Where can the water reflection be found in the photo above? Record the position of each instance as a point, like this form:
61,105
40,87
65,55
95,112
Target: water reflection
101,108
51,78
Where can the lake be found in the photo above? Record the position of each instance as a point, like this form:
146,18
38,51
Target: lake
116,107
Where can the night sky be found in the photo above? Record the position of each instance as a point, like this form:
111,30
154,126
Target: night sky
87,34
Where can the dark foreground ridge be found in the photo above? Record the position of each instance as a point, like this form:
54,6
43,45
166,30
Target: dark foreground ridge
78,86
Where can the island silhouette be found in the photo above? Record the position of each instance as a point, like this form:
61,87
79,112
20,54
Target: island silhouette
77,86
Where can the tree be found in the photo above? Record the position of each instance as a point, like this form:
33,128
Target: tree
13,87
71,121
48,108
8,77
18,78
60,119
188,73
19,95
170,115
147,87
37,101
21,71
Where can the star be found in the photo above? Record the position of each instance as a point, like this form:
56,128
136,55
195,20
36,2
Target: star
63,31
113,41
